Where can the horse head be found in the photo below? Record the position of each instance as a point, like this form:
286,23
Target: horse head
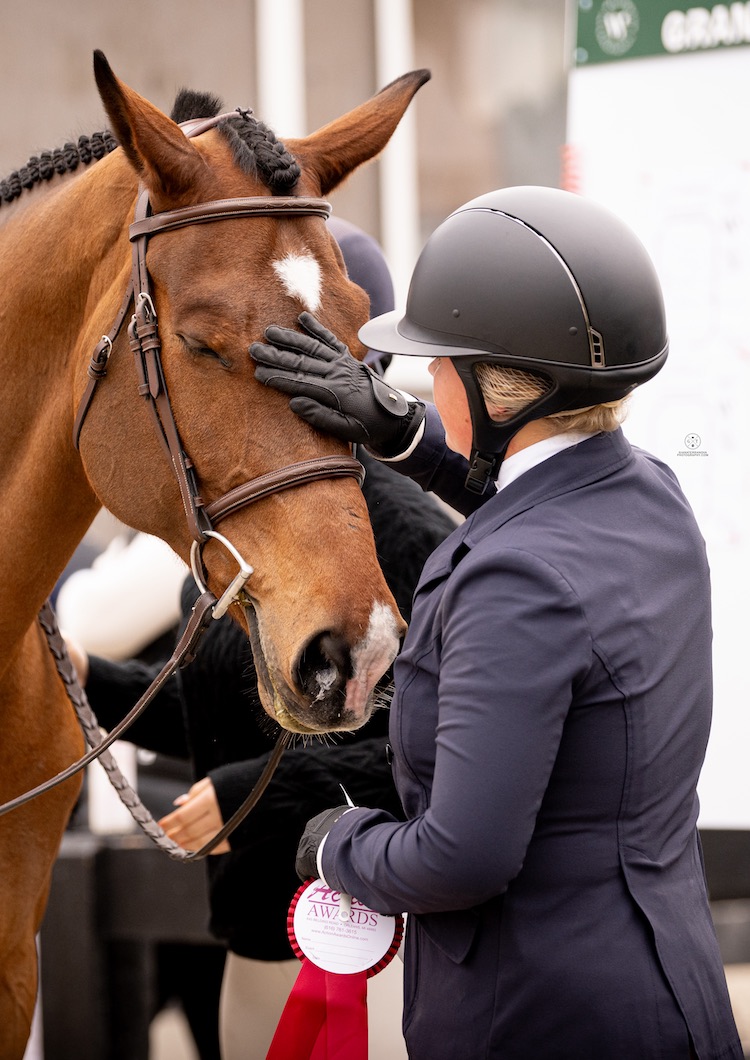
321,620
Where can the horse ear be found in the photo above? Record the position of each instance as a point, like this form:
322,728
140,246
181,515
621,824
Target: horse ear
155,146
335,150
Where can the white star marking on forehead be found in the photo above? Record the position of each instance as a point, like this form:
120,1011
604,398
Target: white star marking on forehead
300,275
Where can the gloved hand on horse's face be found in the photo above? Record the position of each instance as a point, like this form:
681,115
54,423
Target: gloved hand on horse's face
335,393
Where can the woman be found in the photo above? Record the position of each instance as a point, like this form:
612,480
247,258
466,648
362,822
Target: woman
553,695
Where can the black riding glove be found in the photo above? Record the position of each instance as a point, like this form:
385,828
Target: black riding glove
315,832
334,392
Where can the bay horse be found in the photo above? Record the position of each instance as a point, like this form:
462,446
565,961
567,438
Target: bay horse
321,620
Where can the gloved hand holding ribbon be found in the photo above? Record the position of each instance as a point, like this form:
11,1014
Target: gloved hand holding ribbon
316,829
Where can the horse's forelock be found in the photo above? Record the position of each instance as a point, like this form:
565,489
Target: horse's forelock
190,104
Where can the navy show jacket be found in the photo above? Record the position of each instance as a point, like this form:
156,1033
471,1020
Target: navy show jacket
552,710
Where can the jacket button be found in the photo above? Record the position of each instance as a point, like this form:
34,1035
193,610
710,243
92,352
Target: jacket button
389,754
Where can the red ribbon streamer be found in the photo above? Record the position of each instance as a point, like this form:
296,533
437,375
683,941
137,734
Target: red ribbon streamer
325,1017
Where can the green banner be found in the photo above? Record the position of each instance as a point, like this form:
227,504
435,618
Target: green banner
611,30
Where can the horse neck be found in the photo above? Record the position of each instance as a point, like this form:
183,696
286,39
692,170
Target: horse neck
61,258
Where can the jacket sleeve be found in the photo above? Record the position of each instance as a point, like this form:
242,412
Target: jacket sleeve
113,688
437,469
512,643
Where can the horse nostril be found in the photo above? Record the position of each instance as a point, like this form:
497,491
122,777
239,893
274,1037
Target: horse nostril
324,666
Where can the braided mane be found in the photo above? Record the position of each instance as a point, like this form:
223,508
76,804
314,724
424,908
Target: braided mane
255,150
65,159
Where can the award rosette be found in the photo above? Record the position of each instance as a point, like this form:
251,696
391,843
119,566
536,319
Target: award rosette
340,943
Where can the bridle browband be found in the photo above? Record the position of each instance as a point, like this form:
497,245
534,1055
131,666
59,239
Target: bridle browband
201,517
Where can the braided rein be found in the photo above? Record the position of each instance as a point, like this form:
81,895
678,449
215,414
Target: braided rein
99,744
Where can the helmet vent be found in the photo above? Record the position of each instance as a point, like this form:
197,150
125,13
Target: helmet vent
597,349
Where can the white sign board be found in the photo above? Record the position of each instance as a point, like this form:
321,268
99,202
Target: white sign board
658,130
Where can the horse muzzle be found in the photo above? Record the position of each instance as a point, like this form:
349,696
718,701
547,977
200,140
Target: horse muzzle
332,681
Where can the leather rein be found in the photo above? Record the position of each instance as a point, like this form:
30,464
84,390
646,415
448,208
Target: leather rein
201,517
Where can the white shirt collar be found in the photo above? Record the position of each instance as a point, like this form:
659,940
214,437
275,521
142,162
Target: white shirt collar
523,461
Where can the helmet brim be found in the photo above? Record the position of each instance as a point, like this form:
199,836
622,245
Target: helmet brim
382,333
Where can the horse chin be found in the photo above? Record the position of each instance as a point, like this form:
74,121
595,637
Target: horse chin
282,716
340,723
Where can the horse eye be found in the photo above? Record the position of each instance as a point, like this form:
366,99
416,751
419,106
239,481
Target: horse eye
202,351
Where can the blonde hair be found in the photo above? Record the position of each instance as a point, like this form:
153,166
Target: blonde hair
507,391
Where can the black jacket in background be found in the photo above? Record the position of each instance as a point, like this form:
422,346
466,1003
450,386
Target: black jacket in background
210,712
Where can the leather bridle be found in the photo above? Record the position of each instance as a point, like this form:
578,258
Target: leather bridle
201,518
143,334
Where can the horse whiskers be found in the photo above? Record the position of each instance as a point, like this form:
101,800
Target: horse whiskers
383,696
309,739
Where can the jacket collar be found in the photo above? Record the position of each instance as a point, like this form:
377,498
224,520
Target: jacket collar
589,461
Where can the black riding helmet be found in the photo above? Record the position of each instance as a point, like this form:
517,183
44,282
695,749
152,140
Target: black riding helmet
536,279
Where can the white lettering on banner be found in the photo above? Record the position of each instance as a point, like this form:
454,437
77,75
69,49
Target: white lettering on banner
701,27
617,24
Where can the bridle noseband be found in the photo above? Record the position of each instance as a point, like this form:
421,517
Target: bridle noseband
143,334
